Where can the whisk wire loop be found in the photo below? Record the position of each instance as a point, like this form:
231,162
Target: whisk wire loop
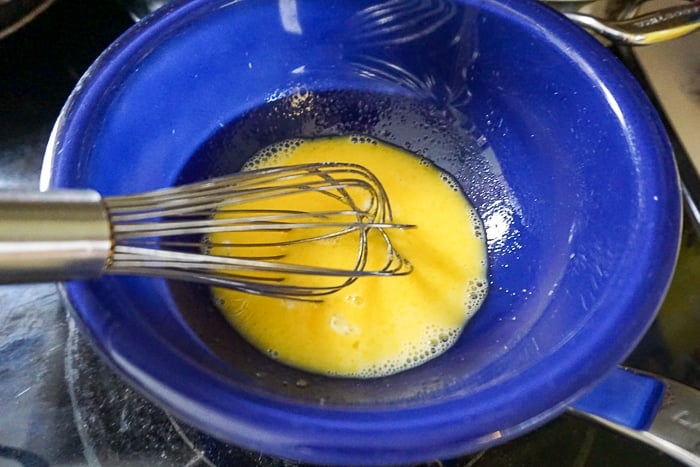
171,232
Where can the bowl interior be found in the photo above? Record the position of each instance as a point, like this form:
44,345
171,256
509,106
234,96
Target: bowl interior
551,141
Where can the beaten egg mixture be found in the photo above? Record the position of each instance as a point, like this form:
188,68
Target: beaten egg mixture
378,325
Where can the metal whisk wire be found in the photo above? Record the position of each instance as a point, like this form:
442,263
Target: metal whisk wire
164,233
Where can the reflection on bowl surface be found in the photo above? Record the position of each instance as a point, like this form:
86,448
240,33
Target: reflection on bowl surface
550,139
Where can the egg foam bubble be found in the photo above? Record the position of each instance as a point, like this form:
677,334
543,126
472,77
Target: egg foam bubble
376,326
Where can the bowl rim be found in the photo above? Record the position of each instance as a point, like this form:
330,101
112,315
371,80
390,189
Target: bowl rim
333,435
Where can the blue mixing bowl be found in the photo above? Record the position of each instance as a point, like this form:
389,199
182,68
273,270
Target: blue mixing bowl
549,136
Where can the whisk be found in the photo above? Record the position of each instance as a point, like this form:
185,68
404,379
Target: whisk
177,232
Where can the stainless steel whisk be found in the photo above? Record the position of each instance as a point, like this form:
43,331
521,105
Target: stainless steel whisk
78,234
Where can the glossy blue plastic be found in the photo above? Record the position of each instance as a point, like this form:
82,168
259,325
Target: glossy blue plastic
627,398
555,144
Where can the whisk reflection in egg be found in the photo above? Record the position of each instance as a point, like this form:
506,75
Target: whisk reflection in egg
173,232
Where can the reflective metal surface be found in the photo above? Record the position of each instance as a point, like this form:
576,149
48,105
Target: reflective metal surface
52,236
658,26
633,22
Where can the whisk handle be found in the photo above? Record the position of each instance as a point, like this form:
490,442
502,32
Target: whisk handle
53,236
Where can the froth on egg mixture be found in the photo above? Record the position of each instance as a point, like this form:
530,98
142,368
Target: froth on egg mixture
376,326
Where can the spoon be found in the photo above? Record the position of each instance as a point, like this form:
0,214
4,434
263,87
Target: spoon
626,26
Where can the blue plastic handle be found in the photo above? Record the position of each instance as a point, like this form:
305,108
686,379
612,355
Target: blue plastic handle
628,398
658,411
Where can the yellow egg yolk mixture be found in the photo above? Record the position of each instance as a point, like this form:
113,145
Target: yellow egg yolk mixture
376,326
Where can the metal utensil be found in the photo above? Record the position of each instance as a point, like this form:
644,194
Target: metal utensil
620,21
79,234
657,26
